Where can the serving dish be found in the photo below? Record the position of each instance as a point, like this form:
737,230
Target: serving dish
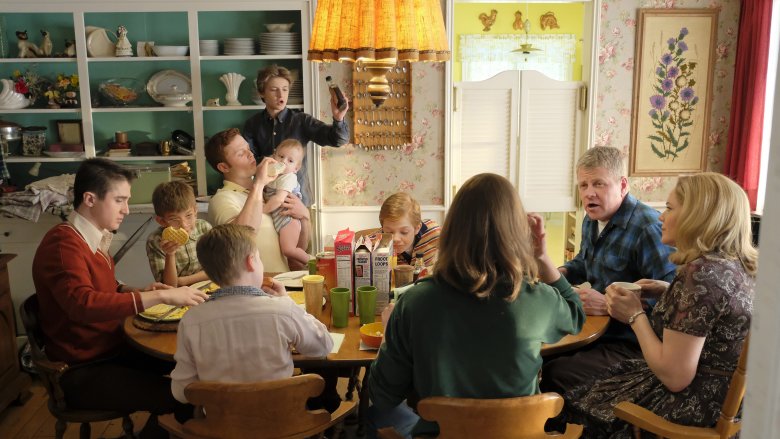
170,88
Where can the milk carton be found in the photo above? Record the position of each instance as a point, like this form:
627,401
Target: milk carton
343,245
362,257
381,269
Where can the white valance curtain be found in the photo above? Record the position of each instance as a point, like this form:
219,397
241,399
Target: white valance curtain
483,56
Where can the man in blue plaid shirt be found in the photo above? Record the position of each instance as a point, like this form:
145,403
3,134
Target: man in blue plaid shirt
621,241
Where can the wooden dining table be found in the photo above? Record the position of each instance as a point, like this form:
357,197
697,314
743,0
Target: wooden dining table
163,345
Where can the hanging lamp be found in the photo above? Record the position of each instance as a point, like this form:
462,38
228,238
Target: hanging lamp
378,33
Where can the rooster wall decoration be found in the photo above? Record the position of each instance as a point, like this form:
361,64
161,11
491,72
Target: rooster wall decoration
548,21
518,24
488,20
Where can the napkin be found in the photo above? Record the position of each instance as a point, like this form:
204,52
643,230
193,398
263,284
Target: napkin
337,340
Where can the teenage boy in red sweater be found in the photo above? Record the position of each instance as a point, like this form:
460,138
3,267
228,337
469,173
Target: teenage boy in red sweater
82,305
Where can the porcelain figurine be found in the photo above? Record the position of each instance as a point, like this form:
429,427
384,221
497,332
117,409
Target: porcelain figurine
70,48
46,46
212,102
123,46
27,49
232,82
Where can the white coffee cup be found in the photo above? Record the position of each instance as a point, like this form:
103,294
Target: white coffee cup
630,286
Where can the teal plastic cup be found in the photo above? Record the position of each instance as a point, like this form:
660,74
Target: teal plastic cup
339,306
366,300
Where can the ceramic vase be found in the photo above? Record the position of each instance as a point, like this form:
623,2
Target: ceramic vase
232,82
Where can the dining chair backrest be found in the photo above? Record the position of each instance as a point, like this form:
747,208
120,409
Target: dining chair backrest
271,409
727,426
510,418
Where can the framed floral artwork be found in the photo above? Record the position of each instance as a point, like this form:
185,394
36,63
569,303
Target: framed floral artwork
675,53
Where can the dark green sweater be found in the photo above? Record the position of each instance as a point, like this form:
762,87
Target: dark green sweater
442,342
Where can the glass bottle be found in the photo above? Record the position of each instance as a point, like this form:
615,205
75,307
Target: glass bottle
341,101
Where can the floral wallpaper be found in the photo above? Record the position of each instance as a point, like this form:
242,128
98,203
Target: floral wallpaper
355,177
616,69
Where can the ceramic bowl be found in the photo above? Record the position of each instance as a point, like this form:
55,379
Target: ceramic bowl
279,27
371,334
120,92
170,50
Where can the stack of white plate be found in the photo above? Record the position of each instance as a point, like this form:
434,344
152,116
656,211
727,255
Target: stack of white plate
296,93
209,47
239,46
280,43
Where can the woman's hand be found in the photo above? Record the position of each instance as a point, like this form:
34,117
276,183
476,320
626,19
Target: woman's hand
536,222
621,303
652,288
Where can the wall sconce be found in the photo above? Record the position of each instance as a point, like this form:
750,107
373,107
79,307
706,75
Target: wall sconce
378,33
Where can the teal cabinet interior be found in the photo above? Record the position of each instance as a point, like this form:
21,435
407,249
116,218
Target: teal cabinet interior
174,23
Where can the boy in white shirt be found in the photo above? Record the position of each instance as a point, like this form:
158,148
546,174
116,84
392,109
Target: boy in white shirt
270,324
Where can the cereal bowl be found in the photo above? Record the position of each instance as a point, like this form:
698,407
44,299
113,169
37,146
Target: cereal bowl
372,333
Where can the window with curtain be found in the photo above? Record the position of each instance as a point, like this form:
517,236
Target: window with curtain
483,56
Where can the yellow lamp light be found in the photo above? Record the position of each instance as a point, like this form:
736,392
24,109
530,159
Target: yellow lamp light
378,33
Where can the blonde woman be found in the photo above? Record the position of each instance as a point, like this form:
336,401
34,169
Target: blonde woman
476,327
692,341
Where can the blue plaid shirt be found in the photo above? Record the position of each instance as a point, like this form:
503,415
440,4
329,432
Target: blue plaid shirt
628,249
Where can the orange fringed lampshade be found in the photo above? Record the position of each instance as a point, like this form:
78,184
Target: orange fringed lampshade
379,33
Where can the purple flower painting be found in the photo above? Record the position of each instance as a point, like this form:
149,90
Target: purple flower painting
674,102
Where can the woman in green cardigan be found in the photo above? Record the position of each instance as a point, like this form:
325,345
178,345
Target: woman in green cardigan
476,328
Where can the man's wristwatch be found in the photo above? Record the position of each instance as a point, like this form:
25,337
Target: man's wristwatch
634,316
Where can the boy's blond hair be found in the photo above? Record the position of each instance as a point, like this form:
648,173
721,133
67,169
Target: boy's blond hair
399,206
173,197
223,249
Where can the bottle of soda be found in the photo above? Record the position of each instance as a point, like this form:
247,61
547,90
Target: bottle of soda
419,265
336,91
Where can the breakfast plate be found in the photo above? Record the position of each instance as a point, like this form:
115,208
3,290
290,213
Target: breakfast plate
155,312
292,279
205,285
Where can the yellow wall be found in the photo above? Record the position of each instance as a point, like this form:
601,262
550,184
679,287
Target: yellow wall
569,15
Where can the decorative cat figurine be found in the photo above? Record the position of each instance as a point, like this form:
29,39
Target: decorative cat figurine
46,46
27,49
70,48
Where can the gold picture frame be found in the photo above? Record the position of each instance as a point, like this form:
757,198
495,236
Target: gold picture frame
672,96
70,132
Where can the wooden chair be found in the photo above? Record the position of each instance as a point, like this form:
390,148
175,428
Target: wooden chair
727,426
51,372
265,410
507,418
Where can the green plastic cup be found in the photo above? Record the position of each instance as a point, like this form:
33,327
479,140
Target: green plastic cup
339,306
366,298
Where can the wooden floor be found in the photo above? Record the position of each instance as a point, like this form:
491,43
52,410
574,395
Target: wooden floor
33,420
